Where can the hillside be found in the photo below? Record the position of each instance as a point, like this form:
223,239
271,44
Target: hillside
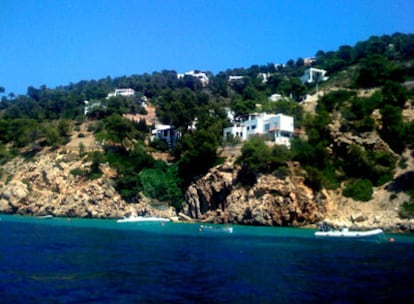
112,147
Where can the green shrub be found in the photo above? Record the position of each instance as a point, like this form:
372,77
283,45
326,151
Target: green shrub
359,190
407,210
78,172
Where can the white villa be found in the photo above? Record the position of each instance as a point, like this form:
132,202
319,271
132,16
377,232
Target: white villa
166,133
312,74
235,78
121,92
90,106
278,127
196,74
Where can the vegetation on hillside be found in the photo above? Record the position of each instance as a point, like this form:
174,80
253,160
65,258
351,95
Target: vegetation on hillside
46,117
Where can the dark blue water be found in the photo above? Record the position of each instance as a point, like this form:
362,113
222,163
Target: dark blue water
92,261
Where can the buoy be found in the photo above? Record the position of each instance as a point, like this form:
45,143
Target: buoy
392,240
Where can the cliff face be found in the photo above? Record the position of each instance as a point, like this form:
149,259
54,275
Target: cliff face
45,186
218,198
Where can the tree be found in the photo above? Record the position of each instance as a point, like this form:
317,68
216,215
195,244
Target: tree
198,153
393,128
177,108
119,129
394,94
255,158
374,70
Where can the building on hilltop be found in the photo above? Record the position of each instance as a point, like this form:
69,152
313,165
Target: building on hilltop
312,75
278,128
121,92
196,74
92,105
166,133
308,61
235,78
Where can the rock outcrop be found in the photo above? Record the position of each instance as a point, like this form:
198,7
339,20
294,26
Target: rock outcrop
219,198
45,186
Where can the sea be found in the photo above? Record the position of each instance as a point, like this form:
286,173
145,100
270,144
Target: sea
62,260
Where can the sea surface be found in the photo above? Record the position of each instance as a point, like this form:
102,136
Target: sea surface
100,261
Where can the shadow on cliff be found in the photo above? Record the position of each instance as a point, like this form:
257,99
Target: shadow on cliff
402,183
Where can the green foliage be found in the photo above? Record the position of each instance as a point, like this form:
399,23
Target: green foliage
160,145
393,128
374,166
119,129
179,107
78,172
96,158
162,184
394,94
333,100
81,149
407,210
197,153
5,154
128,165
374,70
257,157
52,136
359,190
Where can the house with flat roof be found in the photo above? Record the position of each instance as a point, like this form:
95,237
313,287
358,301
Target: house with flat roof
121,92
278,128
166,133
313,74
196,74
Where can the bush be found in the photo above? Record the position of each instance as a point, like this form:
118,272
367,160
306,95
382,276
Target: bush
359,190
407,210
78,172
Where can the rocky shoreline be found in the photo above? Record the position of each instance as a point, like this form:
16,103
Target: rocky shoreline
45,186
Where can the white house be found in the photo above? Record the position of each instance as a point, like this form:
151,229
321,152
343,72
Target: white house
312,74
279,128
166,133
275,97
90,106
235,78
196,74
121,92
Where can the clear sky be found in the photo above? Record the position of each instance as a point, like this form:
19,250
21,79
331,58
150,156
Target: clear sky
55,42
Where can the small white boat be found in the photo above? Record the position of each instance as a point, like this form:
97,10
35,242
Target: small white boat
215,229
138,219
346,233
44,217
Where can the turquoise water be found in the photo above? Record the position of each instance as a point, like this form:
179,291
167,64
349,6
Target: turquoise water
95,261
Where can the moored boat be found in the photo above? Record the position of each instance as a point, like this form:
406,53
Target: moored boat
327,232
137,219
216,229
45,217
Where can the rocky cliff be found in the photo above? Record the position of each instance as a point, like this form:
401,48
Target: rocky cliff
44,185
219,198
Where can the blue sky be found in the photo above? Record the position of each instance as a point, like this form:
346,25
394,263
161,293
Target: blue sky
55,42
